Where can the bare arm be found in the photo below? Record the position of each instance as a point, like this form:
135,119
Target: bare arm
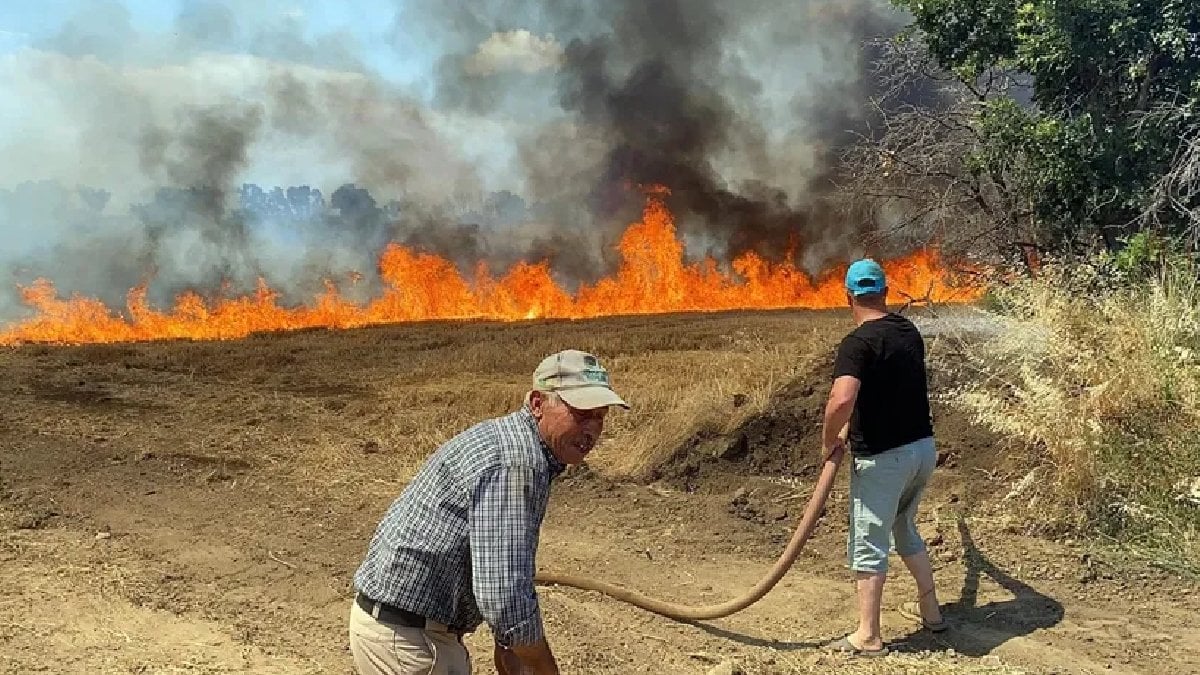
837,413
525,659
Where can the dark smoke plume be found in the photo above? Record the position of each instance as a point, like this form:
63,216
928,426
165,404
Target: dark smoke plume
205,154
740,109
543,120
671,110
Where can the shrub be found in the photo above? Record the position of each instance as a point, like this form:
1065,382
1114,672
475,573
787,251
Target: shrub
1096,381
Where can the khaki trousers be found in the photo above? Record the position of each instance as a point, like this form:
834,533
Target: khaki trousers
388,649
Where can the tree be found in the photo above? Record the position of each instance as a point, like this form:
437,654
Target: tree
1177,194
1086,152
924,168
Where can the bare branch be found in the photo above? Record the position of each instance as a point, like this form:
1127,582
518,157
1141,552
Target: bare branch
1177,193
910,171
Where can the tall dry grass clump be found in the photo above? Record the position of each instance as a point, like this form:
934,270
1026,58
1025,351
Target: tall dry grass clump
710,392
1095,377
416,386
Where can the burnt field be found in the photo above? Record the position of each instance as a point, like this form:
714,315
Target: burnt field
200,507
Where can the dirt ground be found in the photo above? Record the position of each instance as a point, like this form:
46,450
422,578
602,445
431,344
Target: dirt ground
194,507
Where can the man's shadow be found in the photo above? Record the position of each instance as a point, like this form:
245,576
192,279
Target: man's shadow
975,630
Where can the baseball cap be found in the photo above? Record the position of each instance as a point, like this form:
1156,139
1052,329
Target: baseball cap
578,378
865,276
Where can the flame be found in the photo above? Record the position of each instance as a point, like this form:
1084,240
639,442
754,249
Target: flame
653,277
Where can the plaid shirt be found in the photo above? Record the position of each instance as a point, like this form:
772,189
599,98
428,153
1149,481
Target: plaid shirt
458,545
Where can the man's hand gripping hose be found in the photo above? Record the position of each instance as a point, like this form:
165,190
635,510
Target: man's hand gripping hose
804,530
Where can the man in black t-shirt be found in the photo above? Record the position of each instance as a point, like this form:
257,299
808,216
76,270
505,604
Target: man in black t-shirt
879,389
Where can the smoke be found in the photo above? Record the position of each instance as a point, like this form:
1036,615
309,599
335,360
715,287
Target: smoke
677,98
136,153
171,126
514,50
741,110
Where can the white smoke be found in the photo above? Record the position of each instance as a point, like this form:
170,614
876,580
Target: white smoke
83,121
514,50
237,93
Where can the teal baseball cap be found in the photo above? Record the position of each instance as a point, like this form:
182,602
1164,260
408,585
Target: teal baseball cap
865,276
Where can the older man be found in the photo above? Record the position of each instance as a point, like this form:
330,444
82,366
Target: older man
879,387
457,547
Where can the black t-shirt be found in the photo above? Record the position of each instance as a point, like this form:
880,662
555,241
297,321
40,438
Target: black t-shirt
888,356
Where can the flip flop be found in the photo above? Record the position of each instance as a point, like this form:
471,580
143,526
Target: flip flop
845,646
912,610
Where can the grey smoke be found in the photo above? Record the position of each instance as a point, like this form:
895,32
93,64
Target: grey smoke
104,29
672,100
206,151
171,124
739,110
514,50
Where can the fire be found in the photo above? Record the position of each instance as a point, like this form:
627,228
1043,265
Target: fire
653,277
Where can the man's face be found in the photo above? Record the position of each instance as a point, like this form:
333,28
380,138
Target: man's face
571,433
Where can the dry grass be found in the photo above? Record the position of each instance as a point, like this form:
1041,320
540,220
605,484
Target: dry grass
351,416
1098,385
375,402
680,374
681,393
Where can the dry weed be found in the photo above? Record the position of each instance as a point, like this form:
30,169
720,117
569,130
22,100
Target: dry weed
684,393
683,375
1098,385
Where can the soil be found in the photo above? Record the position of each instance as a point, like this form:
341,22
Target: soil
780,441
189,552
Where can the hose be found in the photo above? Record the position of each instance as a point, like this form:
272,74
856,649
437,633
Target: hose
804,529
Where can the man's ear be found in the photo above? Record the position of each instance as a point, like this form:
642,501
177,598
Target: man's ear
537,399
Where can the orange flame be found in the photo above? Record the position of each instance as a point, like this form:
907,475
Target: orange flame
652,277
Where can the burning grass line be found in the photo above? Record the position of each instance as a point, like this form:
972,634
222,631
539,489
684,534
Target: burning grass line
652,278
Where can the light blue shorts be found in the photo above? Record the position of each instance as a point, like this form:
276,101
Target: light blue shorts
885,490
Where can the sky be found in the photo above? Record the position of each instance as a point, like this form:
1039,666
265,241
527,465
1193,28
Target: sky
82,80
25,23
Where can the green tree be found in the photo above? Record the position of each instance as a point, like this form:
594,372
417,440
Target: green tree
1090,146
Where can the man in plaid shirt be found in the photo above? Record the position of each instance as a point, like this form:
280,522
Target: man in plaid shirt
457,548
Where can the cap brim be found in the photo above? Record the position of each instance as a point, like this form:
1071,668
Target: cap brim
586,398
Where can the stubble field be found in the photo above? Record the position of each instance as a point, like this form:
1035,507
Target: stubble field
200,507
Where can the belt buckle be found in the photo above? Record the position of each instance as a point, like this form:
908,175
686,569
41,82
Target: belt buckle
374,611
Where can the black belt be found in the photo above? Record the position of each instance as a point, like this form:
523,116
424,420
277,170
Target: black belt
389,613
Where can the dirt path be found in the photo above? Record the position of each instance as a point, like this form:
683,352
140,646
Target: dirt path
168,564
